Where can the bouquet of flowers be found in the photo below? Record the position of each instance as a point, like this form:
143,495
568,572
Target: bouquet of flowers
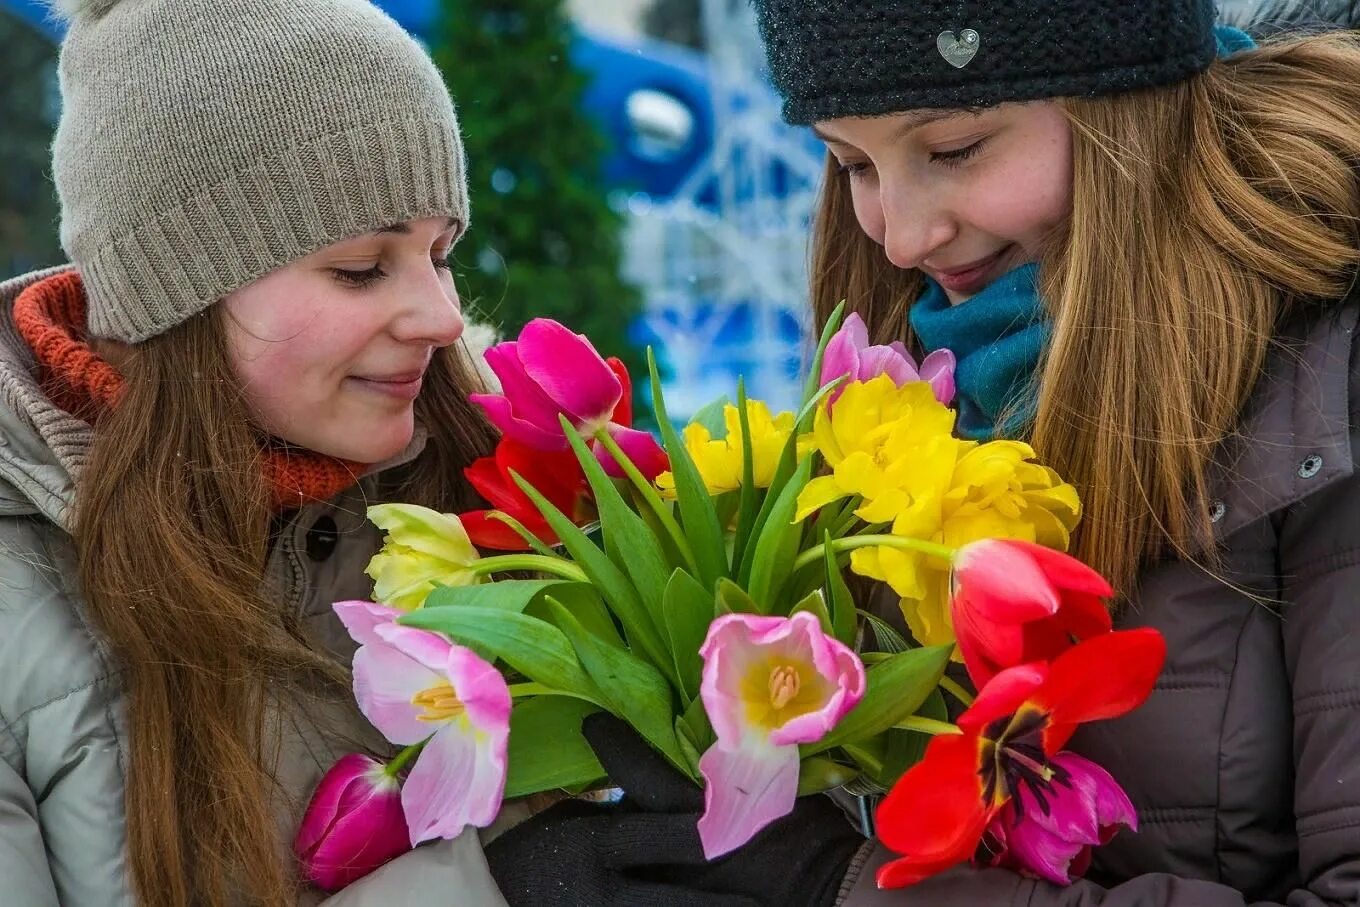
697,589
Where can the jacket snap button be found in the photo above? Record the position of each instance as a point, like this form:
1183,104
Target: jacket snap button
1310,467
1217,510
322,539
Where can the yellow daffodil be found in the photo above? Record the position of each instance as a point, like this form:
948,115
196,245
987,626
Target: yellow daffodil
422,548
891,445
720,460
994,491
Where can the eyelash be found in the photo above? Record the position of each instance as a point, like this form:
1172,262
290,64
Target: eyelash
953,158
374,274
957,156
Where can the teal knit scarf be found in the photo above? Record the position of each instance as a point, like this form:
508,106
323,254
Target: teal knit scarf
999,335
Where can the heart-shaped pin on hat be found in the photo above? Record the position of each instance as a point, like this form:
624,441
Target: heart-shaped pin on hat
836,58
959,52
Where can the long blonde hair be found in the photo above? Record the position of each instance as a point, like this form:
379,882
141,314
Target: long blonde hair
172,531
1201,211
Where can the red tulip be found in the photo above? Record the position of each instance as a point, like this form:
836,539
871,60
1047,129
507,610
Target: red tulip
938,813
353,825
1016,602
556,474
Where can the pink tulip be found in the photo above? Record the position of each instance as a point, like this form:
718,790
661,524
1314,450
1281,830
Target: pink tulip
549,372
1051,835
849,355
353,825
769,684
1016,602
414,686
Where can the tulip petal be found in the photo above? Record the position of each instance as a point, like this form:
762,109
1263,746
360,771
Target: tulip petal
529,401
640,447
456,782
366,829
490,481
938,370
502,415
487,532
1001,583
424,530
1006,692
1065,571
325,802
480,687
887,360
1102,677
362,619
385,682
569,371
935,814
746,788
623,413
841,357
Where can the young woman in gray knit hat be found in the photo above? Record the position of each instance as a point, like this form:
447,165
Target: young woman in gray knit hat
1139,233
258,337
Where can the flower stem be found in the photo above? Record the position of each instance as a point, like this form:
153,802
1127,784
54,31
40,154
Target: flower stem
521,690
405,756
649,494
956,691
920,546
928,726
536,563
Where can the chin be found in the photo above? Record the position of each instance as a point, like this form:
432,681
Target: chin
373,443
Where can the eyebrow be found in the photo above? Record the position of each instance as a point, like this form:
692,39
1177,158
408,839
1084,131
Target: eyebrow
909,122
405,229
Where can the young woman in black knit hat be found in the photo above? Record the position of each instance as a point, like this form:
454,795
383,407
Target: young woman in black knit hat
1139,232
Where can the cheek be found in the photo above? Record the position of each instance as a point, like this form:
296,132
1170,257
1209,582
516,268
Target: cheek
1027,195
868,205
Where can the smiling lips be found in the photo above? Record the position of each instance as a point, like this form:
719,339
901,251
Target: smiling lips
402,386
971,277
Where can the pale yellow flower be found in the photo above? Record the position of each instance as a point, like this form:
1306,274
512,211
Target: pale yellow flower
422,548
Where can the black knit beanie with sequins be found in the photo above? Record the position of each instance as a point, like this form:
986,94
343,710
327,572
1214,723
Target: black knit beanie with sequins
834,58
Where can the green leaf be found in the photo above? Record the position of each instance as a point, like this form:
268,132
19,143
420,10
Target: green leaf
818,774
535,648
697,726
732,599
506,594
687,746
776,545
630,541
688,608
584,602
533,541
906,748
829,329
839,600
614,586
894,690
748,507
632,689
697,513
712,416
547,750
814,603
889,640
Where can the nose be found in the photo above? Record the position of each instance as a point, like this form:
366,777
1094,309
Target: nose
431,313
915,225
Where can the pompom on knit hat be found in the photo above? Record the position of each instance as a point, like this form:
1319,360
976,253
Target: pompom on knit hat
205,143
834,58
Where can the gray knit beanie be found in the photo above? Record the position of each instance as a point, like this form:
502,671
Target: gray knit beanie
204,143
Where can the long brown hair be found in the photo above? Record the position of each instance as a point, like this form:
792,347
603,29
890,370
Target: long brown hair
172,531
1201,211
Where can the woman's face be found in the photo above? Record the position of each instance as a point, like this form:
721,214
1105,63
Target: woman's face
332,348
965,196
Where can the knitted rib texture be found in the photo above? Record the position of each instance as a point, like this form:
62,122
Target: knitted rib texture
204,143
835,58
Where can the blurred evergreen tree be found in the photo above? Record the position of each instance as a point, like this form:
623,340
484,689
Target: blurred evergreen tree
28,112
544,240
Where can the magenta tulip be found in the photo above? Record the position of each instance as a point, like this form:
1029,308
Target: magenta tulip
549,372
1051,835
849,355
353,825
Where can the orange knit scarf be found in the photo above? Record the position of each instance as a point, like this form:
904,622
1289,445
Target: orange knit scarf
50,316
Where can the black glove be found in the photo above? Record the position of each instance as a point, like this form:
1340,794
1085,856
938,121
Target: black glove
645,851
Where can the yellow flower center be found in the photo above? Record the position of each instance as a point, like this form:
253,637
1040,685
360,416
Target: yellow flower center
784,686
439,702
